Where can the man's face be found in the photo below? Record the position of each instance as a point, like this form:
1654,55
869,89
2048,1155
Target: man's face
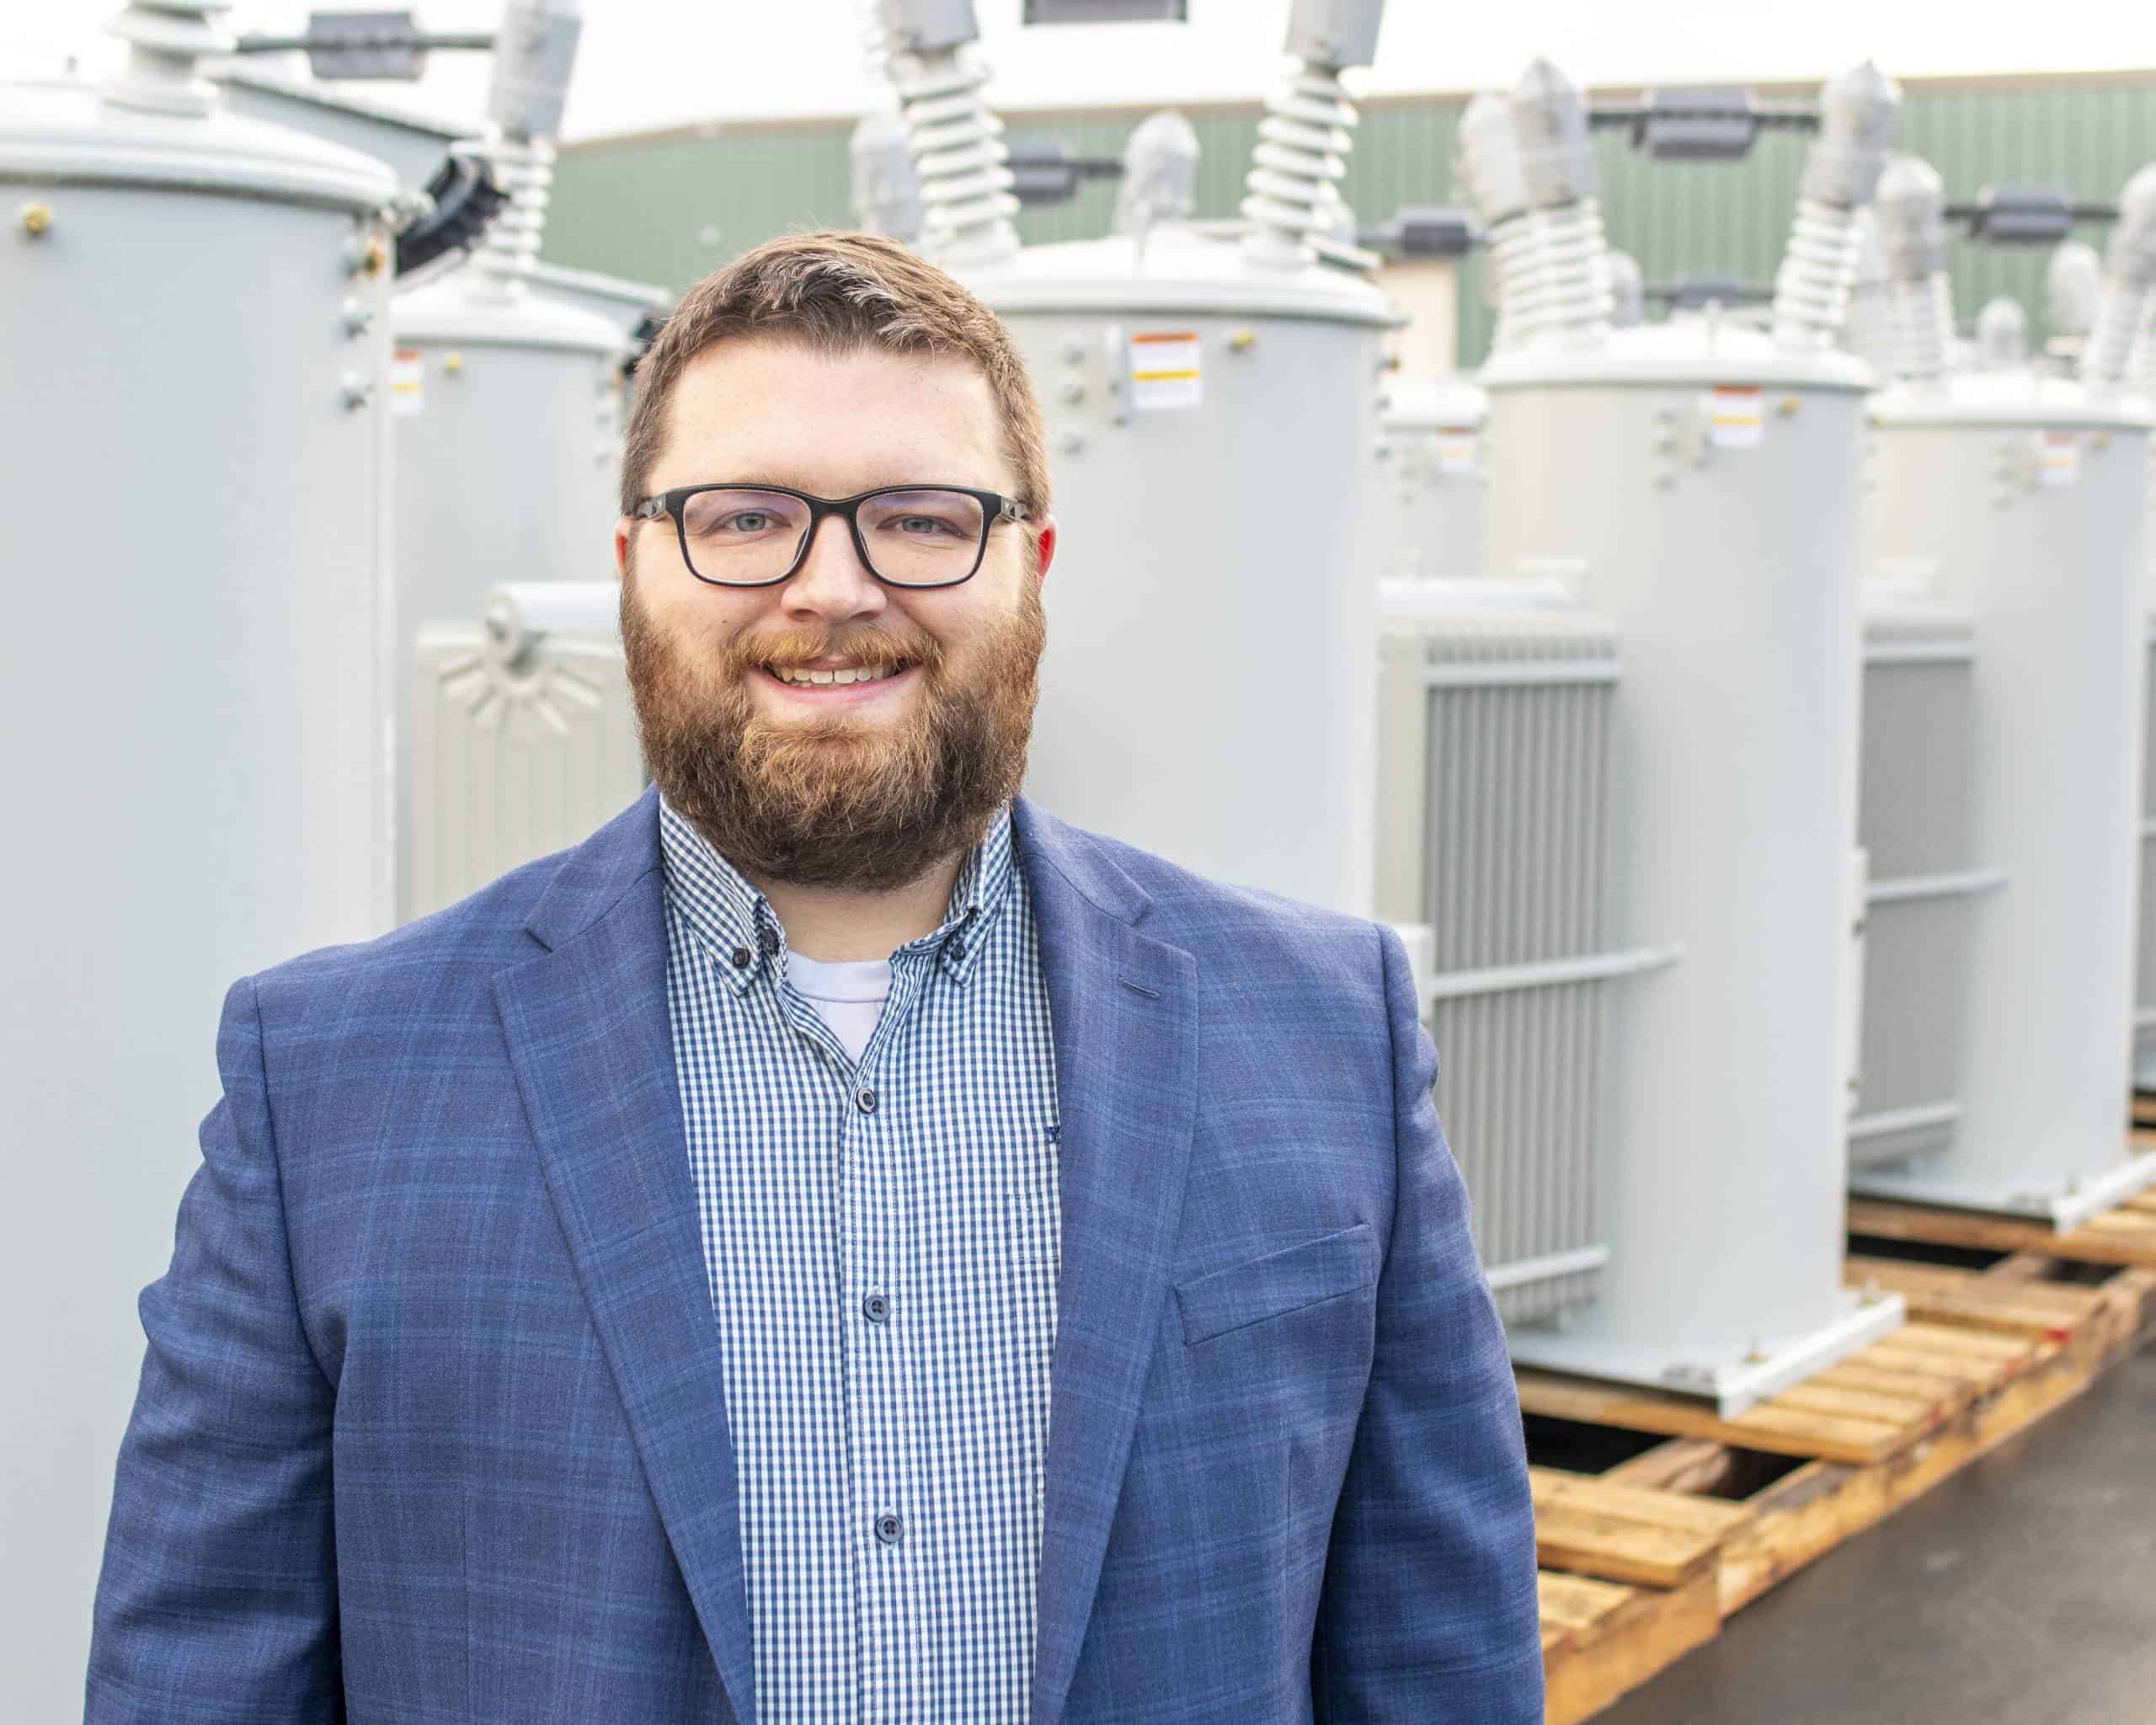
864,784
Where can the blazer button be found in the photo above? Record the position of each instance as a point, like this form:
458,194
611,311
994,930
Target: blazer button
865,1100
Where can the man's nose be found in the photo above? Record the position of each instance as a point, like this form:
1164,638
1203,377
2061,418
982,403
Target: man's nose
832,583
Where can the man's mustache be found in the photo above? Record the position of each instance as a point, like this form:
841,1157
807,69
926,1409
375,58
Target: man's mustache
862,644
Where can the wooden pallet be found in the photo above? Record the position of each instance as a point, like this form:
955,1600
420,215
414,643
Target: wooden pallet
2125,1235
1627,1551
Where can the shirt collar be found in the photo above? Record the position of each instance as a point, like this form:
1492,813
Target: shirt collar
735,923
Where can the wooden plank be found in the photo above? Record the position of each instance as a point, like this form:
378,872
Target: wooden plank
1658,1507
1693,1465
1935,1292
1782,1431
2090,1244
1626,1643
1942,1394
1614,1548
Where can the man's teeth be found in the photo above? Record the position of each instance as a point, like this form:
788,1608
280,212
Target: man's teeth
860,674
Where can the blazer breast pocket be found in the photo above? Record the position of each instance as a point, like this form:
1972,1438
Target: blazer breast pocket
1278,1283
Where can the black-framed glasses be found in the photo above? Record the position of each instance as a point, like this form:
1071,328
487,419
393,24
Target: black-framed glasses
756,535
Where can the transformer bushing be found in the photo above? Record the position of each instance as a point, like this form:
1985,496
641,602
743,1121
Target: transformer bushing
1567,288
967,205
1159,173
2074,279
1496,188
2129,276
1857,126
1910,217
886,190
2002,335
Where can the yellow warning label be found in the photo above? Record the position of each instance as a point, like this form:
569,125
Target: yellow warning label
1736,417
1166,370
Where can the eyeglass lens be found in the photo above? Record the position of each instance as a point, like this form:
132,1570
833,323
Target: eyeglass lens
912,538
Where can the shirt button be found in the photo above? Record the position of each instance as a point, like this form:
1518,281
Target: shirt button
865,1100
875,1308
768,939
888,1529
957,949
741,956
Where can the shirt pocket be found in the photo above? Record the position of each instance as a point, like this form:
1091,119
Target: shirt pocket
1278,1283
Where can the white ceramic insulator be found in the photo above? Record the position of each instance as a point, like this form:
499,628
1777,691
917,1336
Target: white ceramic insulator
1293,191
1922,317
958,152
1511,248
524,167
166,46
1566,291
1812,288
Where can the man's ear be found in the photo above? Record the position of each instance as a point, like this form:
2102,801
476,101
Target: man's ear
1044,548
622,529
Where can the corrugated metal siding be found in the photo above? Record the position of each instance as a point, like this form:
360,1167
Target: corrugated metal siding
671,206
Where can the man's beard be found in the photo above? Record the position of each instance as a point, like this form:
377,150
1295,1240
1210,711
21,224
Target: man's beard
833,800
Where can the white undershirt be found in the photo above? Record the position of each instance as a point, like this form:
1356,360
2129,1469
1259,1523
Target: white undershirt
848,995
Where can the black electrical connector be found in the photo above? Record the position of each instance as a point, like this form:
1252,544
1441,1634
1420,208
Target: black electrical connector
466,202
2025,215
1041,173
1424,230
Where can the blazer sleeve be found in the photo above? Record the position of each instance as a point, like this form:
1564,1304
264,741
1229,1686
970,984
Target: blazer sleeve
1430,1612
217,1598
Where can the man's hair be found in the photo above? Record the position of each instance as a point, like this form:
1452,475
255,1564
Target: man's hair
837,293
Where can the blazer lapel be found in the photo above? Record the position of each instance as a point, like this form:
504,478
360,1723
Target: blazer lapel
1122,1010
592,1047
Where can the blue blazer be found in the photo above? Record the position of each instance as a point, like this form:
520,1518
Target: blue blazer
430,1428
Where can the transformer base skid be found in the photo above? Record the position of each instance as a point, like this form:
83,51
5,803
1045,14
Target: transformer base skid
2063,1209
1646,1547
2124,1235
1730,1385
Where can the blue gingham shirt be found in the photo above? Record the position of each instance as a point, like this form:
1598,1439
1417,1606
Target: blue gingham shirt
881,1241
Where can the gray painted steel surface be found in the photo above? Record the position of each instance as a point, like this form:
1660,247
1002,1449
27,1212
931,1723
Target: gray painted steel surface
1924,876
1213,602
508,449
2027,497
1495,701
195,715
524,736
1719,533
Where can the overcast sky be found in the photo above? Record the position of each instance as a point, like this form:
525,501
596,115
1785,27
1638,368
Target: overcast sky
647,63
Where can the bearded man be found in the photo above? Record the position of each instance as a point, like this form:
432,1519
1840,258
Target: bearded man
839,1244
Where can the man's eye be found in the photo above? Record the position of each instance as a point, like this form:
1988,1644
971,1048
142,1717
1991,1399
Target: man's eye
749,520
921,526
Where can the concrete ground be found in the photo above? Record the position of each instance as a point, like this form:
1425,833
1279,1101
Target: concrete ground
2021,1592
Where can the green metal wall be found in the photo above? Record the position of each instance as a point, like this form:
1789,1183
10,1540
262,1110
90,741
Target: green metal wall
669,207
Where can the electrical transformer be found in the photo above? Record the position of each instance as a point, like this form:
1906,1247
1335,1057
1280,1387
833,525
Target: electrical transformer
506,400
1212,412
2024,497
194,315
2017,498
1709,513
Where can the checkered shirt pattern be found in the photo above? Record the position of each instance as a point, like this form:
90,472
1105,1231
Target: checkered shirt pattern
883,1242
